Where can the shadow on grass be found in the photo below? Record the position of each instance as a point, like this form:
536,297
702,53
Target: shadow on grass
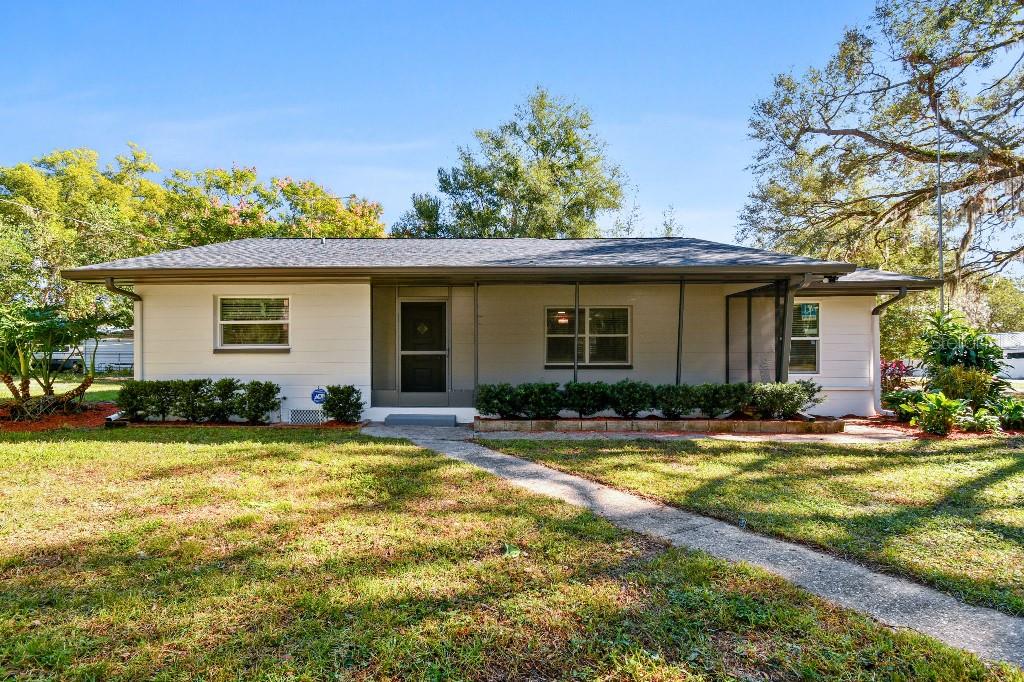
382,561
836,498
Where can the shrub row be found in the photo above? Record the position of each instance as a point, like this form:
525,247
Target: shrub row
199,400
628,398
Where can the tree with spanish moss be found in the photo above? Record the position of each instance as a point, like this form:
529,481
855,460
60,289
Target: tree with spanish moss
848,159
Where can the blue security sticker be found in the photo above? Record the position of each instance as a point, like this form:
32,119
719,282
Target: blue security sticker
319,396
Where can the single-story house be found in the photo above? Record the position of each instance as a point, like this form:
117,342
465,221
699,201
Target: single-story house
418,324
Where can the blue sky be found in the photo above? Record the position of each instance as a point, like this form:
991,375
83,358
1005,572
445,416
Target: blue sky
370,98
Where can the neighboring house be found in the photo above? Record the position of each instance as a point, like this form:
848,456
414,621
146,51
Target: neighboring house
1012,344
417,324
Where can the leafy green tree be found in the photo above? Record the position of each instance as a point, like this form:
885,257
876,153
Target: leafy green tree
1006,305
310,210
217,204
542,174
64,210
848,158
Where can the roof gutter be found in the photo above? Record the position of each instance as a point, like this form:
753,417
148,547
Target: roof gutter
878,309
108,283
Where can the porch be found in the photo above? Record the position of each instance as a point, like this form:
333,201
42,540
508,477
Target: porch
432,345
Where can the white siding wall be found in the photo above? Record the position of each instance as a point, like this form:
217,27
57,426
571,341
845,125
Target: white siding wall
329,337
846,370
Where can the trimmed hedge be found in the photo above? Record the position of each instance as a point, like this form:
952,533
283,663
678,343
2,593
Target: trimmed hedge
225,394
716,400
199,400
344,404
499,399
587,398
628,398
675,401
539,400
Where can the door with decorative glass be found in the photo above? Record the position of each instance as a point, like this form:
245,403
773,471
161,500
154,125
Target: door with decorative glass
423,347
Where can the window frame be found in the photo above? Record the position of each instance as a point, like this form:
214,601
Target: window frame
817,347
218,325
584,336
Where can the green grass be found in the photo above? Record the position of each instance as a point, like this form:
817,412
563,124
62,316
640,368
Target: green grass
103,390
184,553
948,513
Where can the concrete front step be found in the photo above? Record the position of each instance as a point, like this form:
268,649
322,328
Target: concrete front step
420,420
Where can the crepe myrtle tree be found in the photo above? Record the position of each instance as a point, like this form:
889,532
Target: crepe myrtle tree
30,336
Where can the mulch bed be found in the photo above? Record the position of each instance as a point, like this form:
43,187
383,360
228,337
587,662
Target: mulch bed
95,415
92,416
342,426
908,430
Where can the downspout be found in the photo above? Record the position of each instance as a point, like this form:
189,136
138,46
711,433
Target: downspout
876,346
137,340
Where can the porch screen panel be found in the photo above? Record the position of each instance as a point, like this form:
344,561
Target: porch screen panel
763,339
737,350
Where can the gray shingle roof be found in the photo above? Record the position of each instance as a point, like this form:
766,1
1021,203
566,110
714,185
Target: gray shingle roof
879,281
868,275
376,254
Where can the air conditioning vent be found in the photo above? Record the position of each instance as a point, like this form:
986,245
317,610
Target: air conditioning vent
307,417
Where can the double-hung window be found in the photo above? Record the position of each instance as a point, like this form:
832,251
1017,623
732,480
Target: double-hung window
603,336
805,351
252,322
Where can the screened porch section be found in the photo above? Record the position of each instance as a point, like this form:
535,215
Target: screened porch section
755,333
433,345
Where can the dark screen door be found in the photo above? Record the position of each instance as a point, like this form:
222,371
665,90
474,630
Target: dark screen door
424,347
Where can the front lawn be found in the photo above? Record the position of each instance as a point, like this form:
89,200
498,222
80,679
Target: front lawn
103,390
230,553
948,513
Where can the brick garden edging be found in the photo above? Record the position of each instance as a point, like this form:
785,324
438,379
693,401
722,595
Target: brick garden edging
663,425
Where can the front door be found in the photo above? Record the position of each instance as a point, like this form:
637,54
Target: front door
424,347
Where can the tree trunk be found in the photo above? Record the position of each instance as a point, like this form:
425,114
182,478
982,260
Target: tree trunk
11,386
77,392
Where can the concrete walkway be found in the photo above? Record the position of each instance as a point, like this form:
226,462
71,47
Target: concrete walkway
891,600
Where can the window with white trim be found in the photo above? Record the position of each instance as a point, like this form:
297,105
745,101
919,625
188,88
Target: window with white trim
805,351
252,322
603,338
